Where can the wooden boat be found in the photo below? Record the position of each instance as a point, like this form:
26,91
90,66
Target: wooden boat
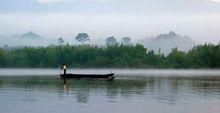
109,76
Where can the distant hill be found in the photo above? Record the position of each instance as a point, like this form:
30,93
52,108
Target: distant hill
165,42
30,35
26,39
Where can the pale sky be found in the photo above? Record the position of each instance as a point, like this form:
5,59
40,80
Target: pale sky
198,19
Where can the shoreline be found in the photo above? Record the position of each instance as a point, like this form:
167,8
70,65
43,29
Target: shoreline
118,72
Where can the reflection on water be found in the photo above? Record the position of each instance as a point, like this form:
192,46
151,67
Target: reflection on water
124,95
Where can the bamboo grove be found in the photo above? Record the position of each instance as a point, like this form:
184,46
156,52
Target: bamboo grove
116,56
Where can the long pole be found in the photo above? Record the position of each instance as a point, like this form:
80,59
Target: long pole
64,81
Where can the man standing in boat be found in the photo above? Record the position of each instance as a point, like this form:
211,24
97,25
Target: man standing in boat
64,69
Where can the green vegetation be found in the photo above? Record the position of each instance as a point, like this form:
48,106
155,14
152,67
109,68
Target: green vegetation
114,56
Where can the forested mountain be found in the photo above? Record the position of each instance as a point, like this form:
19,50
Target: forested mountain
166,42
163,43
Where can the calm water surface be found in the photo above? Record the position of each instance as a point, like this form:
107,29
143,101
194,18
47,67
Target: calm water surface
126,94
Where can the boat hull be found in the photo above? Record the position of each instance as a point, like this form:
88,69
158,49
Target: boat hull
88,76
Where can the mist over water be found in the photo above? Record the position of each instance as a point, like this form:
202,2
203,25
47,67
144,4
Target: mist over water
123,95
104,33
118,72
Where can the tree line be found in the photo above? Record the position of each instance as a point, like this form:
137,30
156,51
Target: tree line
111,56
82,38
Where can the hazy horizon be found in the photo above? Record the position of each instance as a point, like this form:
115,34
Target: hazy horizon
138,19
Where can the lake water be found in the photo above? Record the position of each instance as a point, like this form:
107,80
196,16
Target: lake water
133,91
